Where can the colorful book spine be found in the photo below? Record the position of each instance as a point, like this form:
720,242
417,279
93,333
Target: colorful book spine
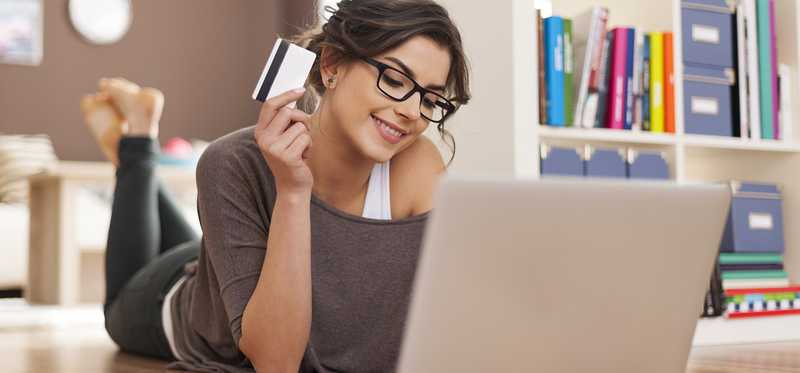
616,108
657,82
597,54
757,302
669,84
646,84
753,84
740,102
751,267
765,69
753,275
749,258
554,65
569,73
629,64
542,75
773,43
601,116
747,283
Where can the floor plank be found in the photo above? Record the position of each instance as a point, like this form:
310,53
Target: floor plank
71,340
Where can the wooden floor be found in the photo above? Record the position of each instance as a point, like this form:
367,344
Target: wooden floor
73,340
50,340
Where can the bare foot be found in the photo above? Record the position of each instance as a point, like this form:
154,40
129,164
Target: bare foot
142,107
105,123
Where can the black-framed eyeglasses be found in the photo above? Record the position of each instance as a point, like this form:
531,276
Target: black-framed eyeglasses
398,86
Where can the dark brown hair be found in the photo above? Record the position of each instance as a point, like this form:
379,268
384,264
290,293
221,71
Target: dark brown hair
366,28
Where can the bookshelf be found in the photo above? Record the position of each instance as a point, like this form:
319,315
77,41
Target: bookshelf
498,135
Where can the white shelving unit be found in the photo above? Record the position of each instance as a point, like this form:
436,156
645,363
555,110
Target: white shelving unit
498,135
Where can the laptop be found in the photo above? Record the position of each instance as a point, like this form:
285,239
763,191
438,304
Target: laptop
561,276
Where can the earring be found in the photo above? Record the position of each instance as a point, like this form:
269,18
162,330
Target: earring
331,82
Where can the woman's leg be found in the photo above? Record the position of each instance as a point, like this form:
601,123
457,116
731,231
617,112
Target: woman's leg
134,232
175,230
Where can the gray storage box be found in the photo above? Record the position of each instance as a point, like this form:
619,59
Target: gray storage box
707,29
647,165
755,221
560,161
707,100
604,162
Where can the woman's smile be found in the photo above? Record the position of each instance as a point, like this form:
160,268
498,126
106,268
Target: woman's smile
391,133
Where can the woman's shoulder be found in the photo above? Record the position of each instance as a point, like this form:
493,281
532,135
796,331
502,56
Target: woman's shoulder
235,154
415,173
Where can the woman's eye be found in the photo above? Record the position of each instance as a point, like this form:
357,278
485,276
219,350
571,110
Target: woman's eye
392,82
428,103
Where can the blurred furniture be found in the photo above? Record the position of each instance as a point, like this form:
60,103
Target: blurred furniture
67,238
13,245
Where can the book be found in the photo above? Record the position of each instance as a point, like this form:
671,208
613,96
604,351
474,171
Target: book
669,84
542,78
744,284
782,290
605,75
598,55
753,69
554,70
629,64
740,88
638,87
569,73
773,45
785,78
587,39
748,258
657,82
751,267
616,92
646,83
765,68
754,275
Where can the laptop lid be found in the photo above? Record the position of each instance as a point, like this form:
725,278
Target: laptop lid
562,276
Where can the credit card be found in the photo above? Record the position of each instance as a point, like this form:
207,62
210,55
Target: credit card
287,68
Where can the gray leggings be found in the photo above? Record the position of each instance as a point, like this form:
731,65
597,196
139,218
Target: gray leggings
149,242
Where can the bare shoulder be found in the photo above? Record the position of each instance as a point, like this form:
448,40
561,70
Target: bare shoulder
415,173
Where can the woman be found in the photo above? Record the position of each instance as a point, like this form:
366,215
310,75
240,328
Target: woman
306,260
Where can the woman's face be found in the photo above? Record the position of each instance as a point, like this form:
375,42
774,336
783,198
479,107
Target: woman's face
363,112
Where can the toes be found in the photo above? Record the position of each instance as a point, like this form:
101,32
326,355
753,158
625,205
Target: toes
122,92
152,101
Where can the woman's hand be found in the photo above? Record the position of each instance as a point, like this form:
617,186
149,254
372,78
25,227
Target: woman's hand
283,137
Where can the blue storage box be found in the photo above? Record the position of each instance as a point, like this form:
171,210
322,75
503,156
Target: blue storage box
755,221
604,162
708,31
707,100
647,165
560,161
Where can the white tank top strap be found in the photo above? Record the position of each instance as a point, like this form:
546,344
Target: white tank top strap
378,204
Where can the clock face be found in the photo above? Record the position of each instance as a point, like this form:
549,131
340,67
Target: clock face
101,21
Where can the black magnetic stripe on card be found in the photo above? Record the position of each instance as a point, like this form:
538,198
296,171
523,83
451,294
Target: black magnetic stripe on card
273,70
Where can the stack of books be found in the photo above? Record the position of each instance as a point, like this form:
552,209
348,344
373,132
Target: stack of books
752,271
762,302
593,77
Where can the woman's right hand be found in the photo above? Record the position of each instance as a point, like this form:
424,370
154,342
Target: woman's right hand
282,136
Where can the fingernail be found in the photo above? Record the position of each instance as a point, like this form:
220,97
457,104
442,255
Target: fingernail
299,90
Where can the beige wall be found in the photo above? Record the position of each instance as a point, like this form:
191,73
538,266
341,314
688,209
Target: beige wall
206,56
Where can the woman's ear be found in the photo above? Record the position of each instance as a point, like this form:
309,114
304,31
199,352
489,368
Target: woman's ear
330,67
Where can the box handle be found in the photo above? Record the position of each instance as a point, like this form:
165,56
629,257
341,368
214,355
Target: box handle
730,78
711,8
705,34
761,221
704,105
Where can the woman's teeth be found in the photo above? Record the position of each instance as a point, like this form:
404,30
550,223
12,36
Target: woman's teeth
388,129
